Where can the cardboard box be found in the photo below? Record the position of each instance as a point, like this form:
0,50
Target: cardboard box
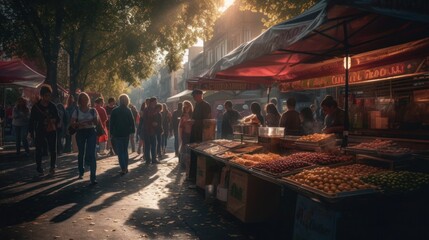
252,199
372,118
381,122
205,171
224,177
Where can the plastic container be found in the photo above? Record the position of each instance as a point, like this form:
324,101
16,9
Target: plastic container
271,131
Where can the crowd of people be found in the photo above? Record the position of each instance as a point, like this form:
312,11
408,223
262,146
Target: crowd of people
93,130
98,129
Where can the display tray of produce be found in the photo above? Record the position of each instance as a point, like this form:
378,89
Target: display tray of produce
227,155
249,160
247,149
232,144
291,164
321,158
315,139
204,145
280,168
371,147
215,150
361,150
399,182
394,152
332,183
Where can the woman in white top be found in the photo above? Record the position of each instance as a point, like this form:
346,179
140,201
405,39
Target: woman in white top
85,119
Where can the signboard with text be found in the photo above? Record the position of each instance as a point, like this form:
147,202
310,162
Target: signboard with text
377,73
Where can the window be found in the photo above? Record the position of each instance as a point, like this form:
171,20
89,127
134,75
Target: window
247,35
209,59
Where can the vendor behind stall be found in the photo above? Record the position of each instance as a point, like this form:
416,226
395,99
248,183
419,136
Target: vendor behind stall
229,119
256,116
202,111
290,119
334,116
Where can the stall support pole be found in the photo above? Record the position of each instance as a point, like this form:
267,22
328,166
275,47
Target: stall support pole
346,90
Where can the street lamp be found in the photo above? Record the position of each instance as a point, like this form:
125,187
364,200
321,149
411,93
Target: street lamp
347,62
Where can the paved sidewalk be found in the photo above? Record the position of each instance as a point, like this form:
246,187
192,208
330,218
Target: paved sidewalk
151,201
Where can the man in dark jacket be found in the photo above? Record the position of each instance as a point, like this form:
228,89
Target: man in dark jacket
202,111
149,128
122,125
43,124
175,126
230,118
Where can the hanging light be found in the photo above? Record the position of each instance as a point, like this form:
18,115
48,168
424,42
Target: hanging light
347,62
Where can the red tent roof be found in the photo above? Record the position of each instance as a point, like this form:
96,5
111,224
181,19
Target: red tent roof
16,72
324,33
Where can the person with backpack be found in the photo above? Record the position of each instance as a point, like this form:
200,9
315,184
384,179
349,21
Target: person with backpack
42,127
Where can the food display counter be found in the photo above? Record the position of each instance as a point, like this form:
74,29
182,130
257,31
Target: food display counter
341,181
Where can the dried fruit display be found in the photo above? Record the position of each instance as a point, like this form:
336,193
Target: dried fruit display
227,155
319,158
261,157
244,162
394,151
250,160
330,180
401,181
375,144
282,166
316,137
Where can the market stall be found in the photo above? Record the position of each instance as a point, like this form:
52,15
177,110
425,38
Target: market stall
339,189
361,191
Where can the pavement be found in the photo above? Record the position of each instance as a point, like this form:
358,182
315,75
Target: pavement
150,202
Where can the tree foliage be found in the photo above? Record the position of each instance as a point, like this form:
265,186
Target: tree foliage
110,41
107,40
277,11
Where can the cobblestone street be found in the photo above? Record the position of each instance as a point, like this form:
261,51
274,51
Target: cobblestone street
151,201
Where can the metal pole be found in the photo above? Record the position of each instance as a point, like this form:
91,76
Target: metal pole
346,90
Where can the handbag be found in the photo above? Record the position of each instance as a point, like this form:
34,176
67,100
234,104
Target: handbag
98,127
71,130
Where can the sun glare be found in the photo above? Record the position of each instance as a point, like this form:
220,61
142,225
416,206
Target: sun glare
226,5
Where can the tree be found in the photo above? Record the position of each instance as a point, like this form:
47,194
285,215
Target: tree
106,40
34,27
277,11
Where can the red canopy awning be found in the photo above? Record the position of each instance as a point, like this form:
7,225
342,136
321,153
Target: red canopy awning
16,72
292,50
